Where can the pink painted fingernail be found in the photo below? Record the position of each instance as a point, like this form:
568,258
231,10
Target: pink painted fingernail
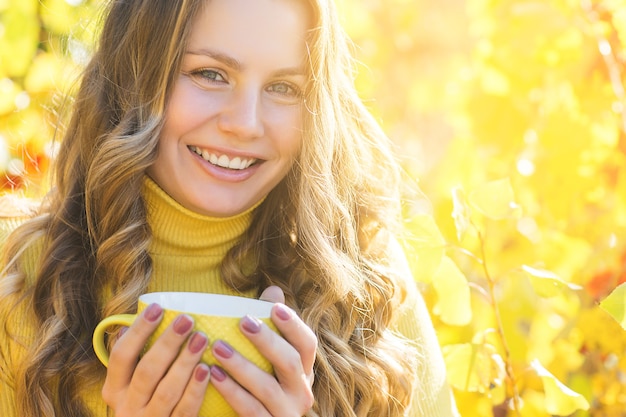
197,342
223,349
182,324
217,373
251,324
283,312
202,371
153,312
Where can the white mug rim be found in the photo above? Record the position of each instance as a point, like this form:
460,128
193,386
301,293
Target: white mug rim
208,304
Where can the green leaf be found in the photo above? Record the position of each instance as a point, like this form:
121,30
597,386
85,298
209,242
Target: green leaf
560,400
495,200
615,304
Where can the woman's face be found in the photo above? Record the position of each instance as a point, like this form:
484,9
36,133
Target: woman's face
233,124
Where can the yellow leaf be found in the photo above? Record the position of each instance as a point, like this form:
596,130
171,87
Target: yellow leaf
59,16
23,6
615,304
495,82
20,37
547,283
460,211
495,200
8,91
424,247
5,153
44,73
453,294
560,400
474,367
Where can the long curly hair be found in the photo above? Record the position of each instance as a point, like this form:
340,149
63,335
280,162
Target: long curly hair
321,234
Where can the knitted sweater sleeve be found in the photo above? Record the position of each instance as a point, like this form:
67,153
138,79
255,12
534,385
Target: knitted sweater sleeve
11,321
18,330
432,396
8,352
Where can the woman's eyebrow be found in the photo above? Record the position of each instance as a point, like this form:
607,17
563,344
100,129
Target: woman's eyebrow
291,71
218,56
238,66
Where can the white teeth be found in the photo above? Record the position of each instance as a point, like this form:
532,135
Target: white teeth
223,160
235,163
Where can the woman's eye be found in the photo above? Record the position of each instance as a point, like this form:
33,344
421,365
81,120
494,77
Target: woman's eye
284,89
209,75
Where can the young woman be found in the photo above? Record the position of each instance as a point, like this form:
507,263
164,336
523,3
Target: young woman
219,146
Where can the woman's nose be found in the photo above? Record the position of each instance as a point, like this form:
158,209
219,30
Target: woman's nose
241,116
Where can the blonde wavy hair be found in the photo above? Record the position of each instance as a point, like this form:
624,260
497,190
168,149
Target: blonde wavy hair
321,234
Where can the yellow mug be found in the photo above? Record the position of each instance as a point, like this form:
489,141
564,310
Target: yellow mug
215,315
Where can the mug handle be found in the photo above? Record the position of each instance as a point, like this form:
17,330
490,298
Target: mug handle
98,334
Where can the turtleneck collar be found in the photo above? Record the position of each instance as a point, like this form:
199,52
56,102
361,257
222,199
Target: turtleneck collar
182,232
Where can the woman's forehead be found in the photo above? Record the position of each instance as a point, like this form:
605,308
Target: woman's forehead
242,33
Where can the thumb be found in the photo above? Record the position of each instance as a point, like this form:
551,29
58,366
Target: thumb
273,294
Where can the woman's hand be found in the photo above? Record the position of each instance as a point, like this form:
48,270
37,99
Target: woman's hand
253,392
167,380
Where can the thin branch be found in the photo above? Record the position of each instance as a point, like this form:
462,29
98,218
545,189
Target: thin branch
510,374
610,60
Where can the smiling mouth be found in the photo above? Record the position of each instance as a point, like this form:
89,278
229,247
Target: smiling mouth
223,161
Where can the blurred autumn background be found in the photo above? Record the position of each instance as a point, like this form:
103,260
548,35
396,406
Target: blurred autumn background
510,117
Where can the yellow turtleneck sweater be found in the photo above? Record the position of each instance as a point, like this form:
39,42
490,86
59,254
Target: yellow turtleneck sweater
186,251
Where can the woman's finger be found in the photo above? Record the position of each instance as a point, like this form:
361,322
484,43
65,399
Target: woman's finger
288,391
273,294
239,399
179,379
131,383
297,333
191,401
157,360
245,385
128,347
